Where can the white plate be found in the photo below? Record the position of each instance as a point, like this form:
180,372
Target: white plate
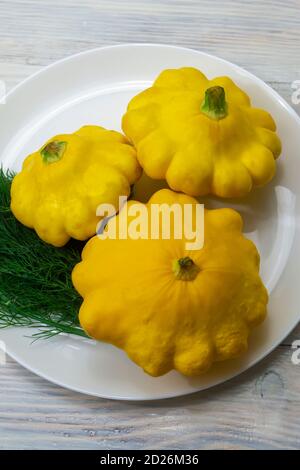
95,87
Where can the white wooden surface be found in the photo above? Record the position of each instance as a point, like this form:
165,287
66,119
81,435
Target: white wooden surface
261,408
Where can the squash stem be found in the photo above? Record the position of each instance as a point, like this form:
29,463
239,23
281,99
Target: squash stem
185,269
214,104
53,151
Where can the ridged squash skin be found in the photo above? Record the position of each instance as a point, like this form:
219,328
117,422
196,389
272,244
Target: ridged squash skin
61,185
135,299
202,136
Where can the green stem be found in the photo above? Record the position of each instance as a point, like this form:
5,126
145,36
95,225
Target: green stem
185,269
53,151
214,104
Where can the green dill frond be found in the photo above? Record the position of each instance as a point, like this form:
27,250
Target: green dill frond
35,278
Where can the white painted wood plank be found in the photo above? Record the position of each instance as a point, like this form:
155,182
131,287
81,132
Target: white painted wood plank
256,410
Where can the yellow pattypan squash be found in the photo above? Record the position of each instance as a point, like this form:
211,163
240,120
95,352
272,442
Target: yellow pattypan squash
202,135
61,185
169,307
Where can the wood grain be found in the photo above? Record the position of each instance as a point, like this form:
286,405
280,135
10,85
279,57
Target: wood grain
259,409
254,411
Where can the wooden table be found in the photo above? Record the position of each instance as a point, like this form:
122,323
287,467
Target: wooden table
259,409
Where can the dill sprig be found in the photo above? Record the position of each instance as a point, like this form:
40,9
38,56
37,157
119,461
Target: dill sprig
35,278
